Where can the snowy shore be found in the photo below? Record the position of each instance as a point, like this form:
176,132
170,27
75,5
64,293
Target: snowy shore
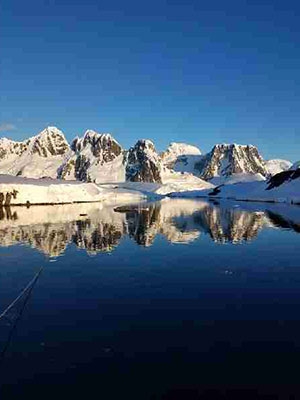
288,192
23,191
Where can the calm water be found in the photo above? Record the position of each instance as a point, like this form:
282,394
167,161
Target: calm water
156,301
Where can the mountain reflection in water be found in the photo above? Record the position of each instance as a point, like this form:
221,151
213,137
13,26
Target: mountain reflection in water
98,228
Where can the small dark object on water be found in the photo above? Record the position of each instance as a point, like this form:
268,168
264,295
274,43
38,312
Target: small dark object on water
82,215
124,209
215,191
136,209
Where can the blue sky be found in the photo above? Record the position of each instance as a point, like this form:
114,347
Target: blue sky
197,71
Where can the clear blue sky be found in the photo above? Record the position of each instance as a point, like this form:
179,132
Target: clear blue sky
197,71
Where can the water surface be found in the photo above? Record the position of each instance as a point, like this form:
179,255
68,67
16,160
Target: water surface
178,296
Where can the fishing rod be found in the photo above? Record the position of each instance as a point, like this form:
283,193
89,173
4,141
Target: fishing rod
27,289
31,283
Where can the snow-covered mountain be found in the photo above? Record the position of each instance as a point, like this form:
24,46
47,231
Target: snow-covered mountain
181,157
143,163
277,165
96,157
37,157
225,160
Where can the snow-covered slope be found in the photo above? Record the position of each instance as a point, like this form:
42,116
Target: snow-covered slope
23,191
227,159
94,158
277,165
37,157
236,178
177,181
17,190
171,181
181,157
280,188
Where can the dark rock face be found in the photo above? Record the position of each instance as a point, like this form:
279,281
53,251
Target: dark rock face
284,176
143,163
51,142
82,165
227,159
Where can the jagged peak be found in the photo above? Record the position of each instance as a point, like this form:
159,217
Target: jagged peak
145,144
93,137
92,133
233,146
52,128
49,130
227,159
94,148
49,142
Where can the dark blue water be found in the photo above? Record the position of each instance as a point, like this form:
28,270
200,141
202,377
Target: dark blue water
170,300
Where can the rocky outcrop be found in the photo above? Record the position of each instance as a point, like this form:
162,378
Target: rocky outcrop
228,159
96,158
283,177
143,163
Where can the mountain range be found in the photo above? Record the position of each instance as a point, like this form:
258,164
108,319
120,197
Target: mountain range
98,157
